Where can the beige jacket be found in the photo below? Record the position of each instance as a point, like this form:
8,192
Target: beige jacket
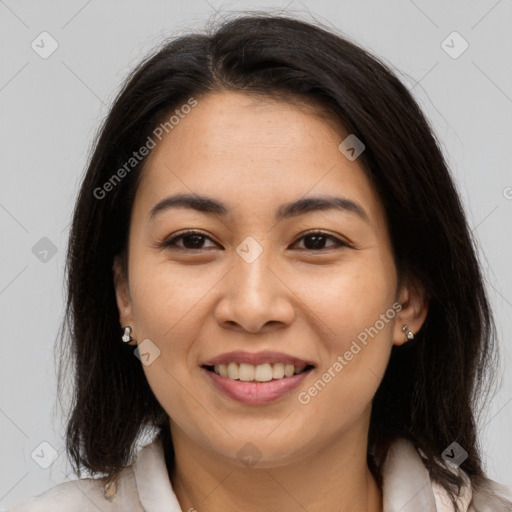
145,487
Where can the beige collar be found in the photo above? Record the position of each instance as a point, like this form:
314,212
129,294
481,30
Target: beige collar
406,482
407,486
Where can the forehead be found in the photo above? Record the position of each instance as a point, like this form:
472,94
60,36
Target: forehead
251,149
248,127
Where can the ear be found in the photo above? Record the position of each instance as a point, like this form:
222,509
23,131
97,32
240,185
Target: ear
124,304
414,310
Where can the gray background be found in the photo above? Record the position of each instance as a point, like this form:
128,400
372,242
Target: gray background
50,109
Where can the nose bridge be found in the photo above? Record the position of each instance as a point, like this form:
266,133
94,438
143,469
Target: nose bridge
250,249
254,282
254,295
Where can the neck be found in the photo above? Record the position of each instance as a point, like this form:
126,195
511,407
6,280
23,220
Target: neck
336,478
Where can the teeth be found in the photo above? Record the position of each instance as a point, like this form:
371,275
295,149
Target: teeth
263,372
222,369
289,370
233,371
277,370
259,373
246,372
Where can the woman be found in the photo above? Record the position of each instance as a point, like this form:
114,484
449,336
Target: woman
268,221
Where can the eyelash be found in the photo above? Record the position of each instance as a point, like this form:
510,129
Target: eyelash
170,243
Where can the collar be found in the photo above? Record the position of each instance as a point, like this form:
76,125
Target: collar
153,483
406,484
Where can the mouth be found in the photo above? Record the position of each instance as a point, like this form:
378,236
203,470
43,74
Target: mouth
255,385
256,378
265,372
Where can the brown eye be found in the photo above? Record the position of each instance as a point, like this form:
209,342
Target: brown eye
190,240
317,241
195,240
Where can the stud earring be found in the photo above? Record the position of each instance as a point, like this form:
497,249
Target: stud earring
127,335
408,334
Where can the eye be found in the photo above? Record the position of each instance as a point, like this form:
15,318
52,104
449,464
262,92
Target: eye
194,240
316,241
191,240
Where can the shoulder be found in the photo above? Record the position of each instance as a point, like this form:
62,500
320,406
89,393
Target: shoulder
143,485
404,471
492,496
85,495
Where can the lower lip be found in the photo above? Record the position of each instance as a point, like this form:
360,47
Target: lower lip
256,393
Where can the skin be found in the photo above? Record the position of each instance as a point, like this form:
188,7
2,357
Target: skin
255,154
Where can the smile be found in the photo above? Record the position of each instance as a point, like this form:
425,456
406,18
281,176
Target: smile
257,373
252,391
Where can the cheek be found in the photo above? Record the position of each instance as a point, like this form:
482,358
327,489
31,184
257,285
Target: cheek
350,298
356,316
166,308
163,295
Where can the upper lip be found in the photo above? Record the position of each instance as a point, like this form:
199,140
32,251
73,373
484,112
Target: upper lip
256,358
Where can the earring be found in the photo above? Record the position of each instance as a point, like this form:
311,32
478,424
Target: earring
127,336
408,334
110,489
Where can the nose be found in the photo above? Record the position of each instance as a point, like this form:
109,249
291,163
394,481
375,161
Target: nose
254,297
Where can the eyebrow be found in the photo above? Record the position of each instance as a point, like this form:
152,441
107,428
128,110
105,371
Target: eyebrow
301,206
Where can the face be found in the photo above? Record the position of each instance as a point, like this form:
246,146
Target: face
271,279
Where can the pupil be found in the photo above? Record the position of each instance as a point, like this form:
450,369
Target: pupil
317,241
196,243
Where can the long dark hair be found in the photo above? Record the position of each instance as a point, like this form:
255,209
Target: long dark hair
433,387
